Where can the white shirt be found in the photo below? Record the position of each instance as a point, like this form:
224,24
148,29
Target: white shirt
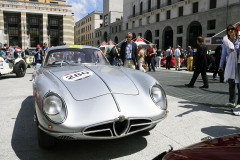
128,50
177,52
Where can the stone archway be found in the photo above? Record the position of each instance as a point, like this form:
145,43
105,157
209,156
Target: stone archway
194,30
105,35
167,39
148,35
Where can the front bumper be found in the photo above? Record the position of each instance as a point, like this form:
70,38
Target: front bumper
108,130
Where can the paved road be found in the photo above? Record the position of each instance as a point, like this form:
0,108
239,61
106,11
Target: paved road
186,123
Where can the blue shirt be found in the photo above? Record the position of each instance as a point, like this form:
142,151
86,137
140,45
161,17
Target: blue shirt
129,51
226,51
191,52
3,53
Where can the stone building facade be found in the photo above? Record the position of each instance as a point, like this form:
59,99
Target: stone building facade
26,23
176,22
84,28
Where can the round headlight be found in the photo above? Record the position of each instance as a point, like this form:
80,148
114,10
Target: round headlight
54,108
52,105
158,96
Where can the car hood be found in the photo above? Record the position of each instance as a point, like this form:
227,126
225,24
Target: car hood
85,82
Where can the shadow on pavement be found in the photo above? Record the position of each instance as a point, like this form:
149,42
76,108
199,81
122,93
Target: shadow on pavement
25,145
195,107
8,76
217,131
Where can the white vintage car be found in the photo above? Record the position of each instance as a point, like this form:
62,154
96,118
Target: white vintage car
16,66
79,95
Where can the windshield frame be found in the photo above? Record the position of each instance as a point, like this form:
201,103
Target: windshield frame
104,60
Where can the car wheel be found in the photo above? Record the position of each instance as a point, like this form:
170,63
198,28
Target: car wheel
20,69
44,140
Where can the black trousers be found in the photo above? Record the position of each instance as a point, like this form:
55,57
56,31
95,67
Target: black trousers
196,74
168,62
151,64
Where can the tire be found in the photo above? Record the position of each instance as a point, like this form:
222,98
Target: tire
20,69
45,140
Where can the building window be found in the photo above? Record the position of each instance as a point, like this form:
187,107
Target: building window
120,28
140,22
101,16
156,33
116,28
213,4
134,11
169,2
211,24
158,4
149,5
179,29
168,14
112,30
126,25
157,17
179,41
141,8
133,24
140,34
195,7
157,43
180,11
148,20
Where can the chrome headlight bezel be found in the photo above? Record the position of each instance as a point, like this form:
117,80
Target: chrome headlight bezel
60,114
158,96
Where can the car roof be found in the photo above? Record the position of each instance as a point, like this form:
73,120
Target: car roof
71,46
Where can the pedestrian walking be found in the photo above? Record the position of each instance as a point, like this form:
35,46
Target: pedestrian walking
189,59
151,58
200,64
129,52
168,54
230,51
217,55
158,57
177,54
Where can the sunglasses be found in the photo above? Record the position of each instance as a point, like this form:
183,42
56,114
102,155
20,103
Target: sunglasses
230,29
129,37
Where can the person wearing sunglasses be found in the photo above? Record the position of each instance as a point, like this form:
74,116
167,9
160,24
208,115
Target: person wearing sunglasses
129,52
230,53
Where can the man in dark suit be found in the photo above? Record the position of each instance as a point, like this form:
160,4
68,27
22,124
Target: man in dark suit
129,52
200,64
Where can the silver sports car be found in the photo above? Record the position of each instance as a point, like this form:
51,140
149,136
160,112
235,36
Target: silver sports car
78,95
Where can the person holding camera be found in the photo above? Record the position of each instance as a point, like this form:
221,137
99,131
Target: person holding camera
38,55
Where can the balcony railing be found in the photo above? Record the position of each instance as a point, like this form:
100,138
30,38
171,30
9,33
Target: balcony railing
154,8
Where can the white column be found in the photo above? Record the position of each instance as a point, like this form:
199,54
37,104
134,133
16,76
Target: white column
24,30
45,23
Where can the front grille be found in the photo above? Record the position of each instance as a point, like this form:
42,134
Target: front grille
117,128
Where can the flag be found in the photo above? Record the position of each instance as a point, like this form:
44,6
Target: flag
24,28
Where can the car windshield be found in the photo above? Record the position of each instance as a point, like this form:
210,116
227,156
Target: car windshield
74,56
